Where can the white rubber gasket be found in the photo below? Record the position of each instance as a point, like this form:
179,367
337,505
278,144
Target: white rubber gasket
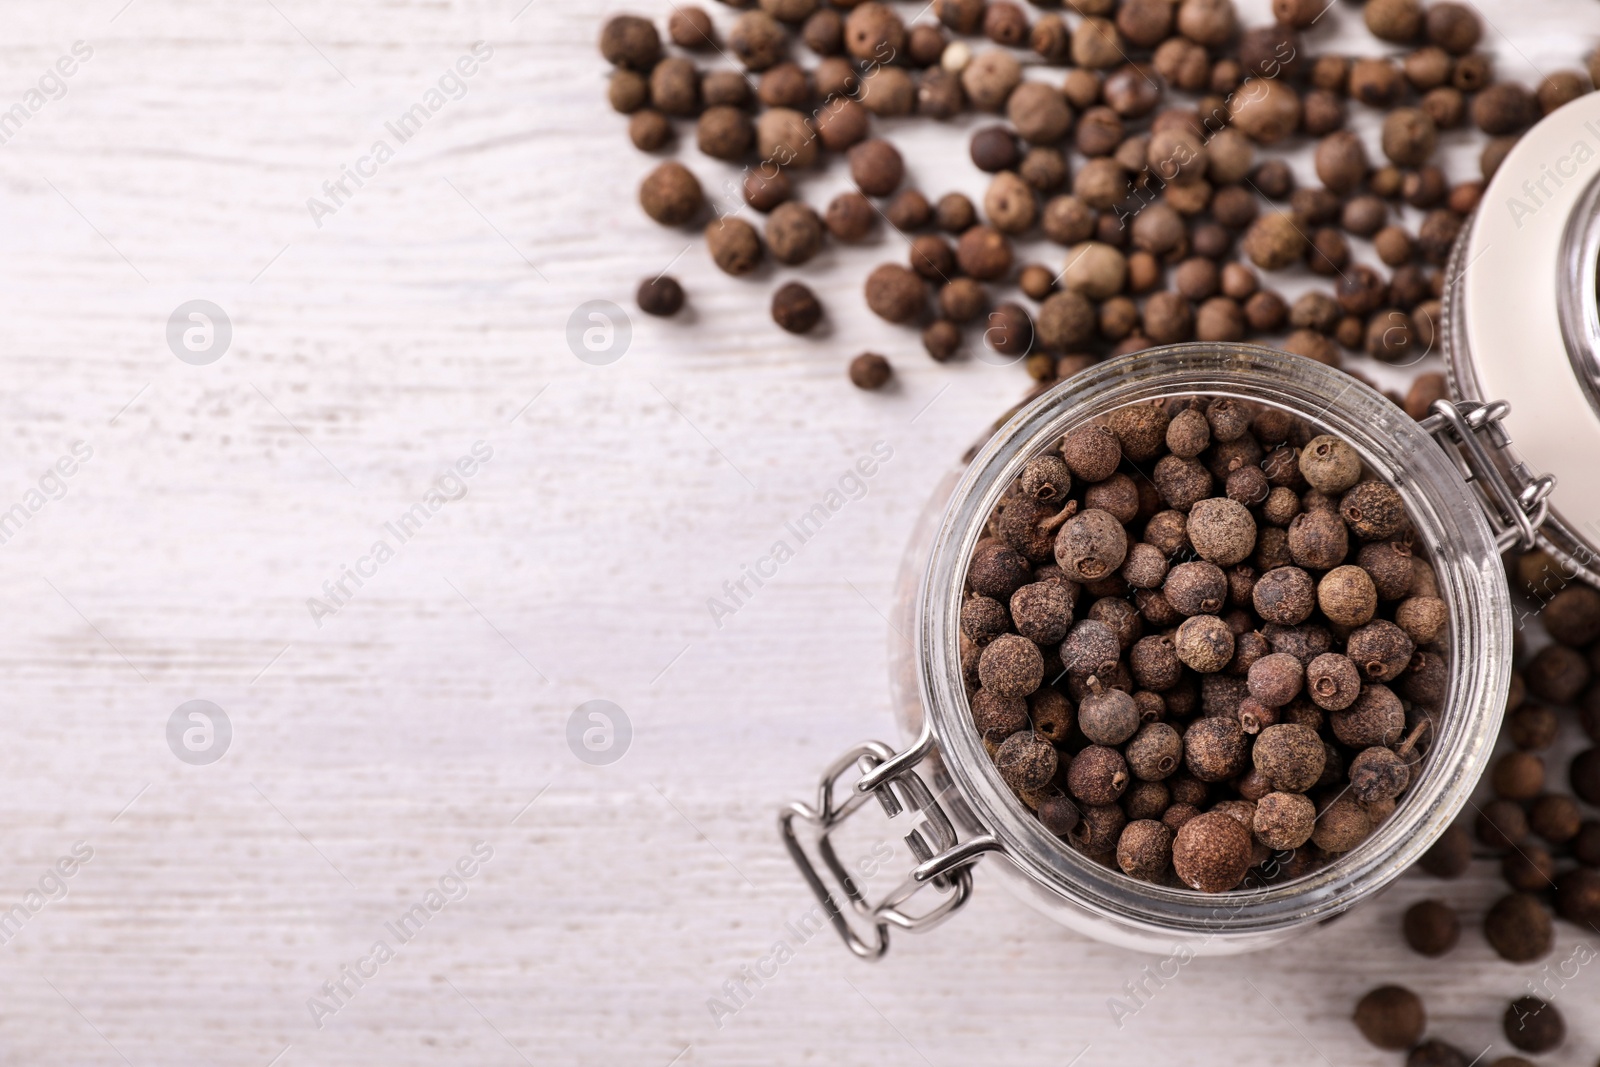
1510,275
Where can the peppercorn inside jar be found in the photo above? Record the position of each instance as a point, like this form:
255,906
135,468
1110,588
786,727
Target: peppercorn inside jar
1199,645
1266,800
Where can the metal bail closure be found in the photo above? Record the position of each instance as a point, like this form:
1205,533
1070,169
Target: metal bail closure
942,861
1516,502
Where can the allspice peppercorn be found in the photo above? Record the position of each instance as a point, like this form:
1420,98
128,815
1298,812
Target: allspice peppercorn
661,296
1347,596
1215,749
1026,760
1211,852
795,308
895,293
1204,643
1391,1017
1092,544
870,370
671,194
1533,1025
1431,927
1011,666
1284,821
1097,775
1518,928
876,167
1144,849
650,130
734,246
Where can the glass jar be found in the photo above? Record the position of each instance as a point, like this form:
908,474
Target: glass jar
1464,515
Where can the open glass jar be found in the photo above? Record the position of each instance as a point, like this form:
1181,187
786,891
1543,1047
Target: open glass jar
1464,515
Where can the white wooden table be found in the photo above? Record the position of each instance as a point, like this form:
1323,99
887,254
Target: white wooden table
430,710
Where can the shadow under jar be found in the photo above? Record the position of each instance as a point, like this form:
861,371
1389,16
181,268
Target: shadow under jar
945,785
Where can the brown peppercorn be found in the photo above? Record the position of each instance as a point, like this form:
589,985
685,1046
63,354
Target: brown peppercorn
997,570
983,619
1182,483
734,245
1555,817
1211,851
1052,715
1059,814
1572,615
1341,161
984,253
786,85
874,32
895,293
1044,169
1145,847
1376,82
1532,726
990,78
1216,749
1098,775
961,300
1291,756
1578,897
850,217
996,717
1533,1025
1453,27
1378,774
876,167
627,91
1026,761
630,41
1284,821
1222,530
1450,856
794,233
1010,203
784,137
1347,596
1091,649
955,213
671,194
758,40
1557,674
1375,717
1380,650
1332,682
1196,588
870,370
823,32
1391,1017
908,210
841,124
1518,776
661,296
1276,679
1274,241
932,257
1268,113
1011,666
795,307
1092,544
1042,612
1342,824
1518,927
1502,824
766,188
1431,927
1503,108
942,339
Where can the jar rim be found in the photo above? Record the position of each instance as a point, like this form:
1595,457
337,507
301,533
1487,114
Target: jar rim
1446,520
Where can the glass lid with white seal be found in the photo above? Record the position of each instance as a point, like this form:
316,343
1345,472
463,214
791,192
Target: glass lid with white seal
1522,323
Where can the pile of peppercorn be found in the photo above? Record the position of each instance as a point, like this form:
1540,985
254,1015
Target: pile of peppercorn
1143,137
1198,643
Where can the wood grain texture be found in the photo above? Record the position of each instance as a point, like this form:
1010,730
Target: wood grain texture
370,752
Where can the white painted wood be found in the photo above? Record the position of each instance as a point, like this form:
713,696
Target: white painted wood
368,754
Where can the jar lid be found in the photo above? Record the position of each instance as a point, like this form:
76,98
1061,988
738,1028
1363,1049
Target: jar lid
1522,317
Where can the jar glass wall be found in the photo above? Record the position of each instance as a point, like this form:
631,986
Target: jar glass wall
1450,530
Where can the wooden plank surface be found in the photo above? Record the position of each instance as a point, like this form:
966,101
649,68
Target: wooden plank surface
373,746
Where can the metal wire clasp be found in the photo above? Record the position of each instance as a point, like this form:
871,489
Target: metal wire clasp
942,861
1517,503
